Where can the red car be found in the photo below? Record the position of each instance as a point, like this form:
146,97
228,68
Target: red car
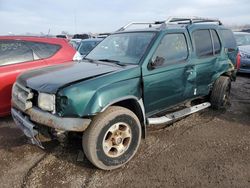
19,53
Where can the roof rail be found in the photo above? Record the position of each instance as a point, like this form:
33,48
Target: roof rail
178,20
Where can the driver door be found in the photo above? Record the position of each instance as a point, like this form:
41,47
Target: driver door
170,77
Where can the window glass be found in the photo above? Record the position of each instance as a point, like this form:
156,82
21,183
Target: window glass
173,48
228,39
44,50
217,45
12,52
126,48
86,46
203,43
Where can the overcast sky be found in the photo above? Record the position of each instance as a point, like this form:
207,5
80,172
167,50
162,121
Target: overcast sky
35,16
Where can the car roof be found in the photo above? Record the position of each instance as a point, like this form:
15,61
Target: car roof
35,38
173,27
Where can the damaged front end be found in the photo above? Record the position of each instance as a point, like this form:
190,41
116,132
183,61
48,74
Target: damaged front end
32,120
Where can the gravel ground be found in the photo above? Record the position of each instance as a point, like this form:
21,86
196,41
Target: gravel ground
206,149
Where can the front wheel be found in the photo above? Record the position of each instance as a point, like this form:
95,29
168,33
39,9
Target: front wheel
112,138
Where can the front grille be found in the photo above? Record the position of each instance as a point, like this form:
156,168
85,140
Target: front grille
21,97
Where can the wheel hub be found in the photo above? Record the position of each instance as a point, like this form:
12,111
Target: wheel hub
117,139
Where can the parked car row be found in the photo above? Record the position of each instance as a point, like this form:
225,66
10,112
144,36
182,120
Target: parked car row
126,83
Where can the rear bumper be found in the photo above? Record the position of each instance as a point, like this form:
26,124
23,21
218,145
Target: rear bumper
244,70
244,66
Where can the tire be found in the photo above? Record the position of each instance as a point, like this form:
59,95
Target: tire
112,138
219,97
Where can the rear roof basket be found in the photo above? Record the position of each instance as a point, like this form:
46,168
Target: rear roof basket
191,20
174,20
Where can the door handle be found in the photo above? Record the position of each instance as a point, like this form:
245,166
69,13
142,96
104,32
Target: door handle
190,71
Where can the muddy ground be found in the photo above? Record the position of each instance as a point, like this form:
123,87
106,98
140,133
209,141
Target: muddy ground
206,149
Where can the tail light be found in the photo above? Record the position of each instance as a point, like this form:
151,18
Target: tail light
237,66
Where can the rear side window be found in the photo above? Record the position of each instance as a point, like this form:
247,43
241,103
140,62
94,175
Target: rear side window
203,43
12,52
44,50
228,39
216,42
173,48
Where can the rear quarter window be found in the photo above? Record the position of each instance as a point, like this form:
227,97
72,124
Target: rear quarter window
12,52
228,39
44,50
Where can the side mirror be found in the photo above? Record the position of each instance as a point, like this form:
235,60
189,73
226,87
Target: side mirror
159,61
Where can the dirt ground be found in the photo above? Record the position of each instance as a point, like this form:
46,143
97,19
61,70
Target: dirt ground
206,149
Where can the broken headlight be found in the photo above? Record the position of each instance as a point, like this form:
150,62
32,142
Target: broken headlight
46,102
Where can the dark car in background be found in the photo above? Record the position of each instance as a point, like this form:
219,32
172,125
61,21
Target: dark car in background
75,43
87,45
19,54
243,42
81,36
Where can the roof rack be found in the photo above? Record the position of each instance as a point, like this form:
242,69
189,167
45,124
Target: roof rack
177,20
191,20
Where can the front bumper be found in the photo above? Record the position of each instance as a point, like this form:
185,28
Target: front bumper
26,126
27,121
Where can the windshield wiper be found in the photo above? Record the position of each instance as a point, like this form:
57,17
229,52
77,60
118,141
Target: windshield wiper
88,59
112,61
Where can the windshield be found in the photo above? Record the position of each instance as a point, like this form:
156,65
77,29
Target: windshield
127,48
243,39
86,46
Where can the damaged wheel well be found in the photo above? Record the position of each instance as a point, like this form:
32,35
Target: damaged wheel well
132,105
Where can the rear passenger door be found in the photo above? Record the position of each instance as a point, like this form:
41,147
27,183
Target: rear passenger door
168,77
206,58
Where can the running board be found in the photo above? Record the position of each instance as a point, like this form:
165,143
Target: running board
178,114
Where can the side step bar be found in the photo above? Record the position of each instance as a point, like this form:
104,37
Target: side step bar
178,114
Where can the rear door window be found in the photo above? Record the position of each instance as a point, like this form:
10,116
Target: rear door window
12,52
44,50
216,42
173,48
203,43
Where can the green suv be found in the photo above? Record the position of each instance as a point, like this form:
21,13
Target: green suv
127,83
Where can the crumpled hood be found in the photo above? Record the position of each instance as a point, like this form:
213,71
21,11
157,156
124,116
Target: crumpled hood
50,79
245,49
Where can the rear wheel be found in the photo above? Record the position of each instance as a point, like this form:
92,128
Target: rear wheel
221,91
112,138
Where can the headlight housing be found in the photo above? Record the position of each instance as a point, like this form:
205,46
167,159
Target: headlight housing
46,102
